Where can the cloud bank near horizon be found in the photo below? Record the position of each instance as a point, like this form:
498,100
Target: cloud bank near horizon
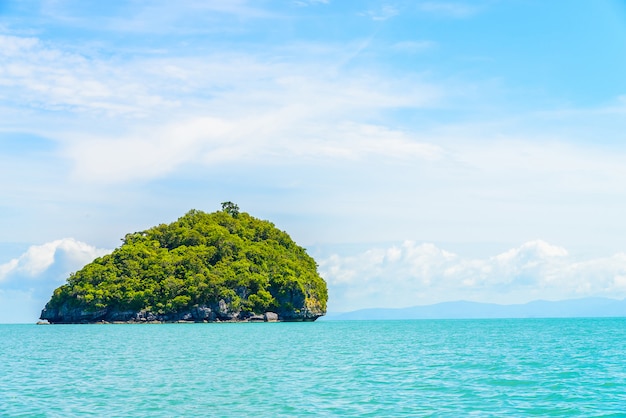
402,275
411,274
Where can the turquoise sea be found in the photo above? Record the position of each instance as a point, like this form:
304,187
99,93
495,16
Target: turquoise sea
513,367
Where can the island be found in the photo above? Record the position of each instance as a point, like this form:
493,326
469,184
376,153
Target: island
204,267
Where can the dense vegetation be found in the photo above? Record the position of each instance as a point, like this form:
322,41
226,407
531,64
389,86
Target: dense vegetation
202,259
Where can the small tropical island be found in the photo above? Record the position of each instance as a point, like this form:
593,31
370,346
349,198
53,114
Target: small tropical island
204,267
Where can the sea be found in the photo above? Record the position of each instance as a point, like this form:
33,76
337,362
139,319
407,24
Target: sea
438,368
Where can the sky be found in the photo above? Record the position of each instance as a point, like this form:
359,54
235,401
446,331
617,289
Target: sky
421,151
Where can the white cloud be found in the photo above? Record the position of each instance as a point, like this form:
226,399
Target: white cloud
452,9
260,110
385,12
27,282
13,45
148,153
413,274
8,267
305,3
158,17
43,76
236,105
38,259
219,141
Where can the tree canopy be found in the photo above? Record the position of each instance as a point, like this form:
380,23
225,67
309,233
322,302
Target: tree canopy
202,259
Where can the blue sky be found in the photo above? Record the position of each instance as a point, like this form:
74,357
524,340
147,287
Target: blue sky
421,151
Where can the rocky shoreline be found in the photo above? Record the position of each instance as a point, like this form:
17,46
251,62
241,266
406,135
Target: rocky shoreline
198,314
266,317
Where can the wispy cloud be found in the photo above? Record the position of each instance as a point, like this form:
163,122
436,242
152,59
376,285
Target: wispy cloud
159,16
305,3
410,274
217,141
384,12
451,9
41,76
236,105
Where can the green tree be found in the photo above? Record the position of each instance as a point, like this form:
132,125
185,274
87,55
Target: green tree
230,208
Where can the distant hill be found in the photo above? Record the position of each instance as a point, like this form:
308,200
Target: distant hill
586,307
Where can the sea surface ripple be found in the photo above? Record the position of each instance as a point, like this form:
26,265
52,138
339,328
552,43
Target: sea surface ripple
512,367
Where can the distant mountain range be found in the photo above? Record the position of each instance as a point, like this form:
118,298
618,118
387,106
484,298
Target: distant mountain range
587,307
